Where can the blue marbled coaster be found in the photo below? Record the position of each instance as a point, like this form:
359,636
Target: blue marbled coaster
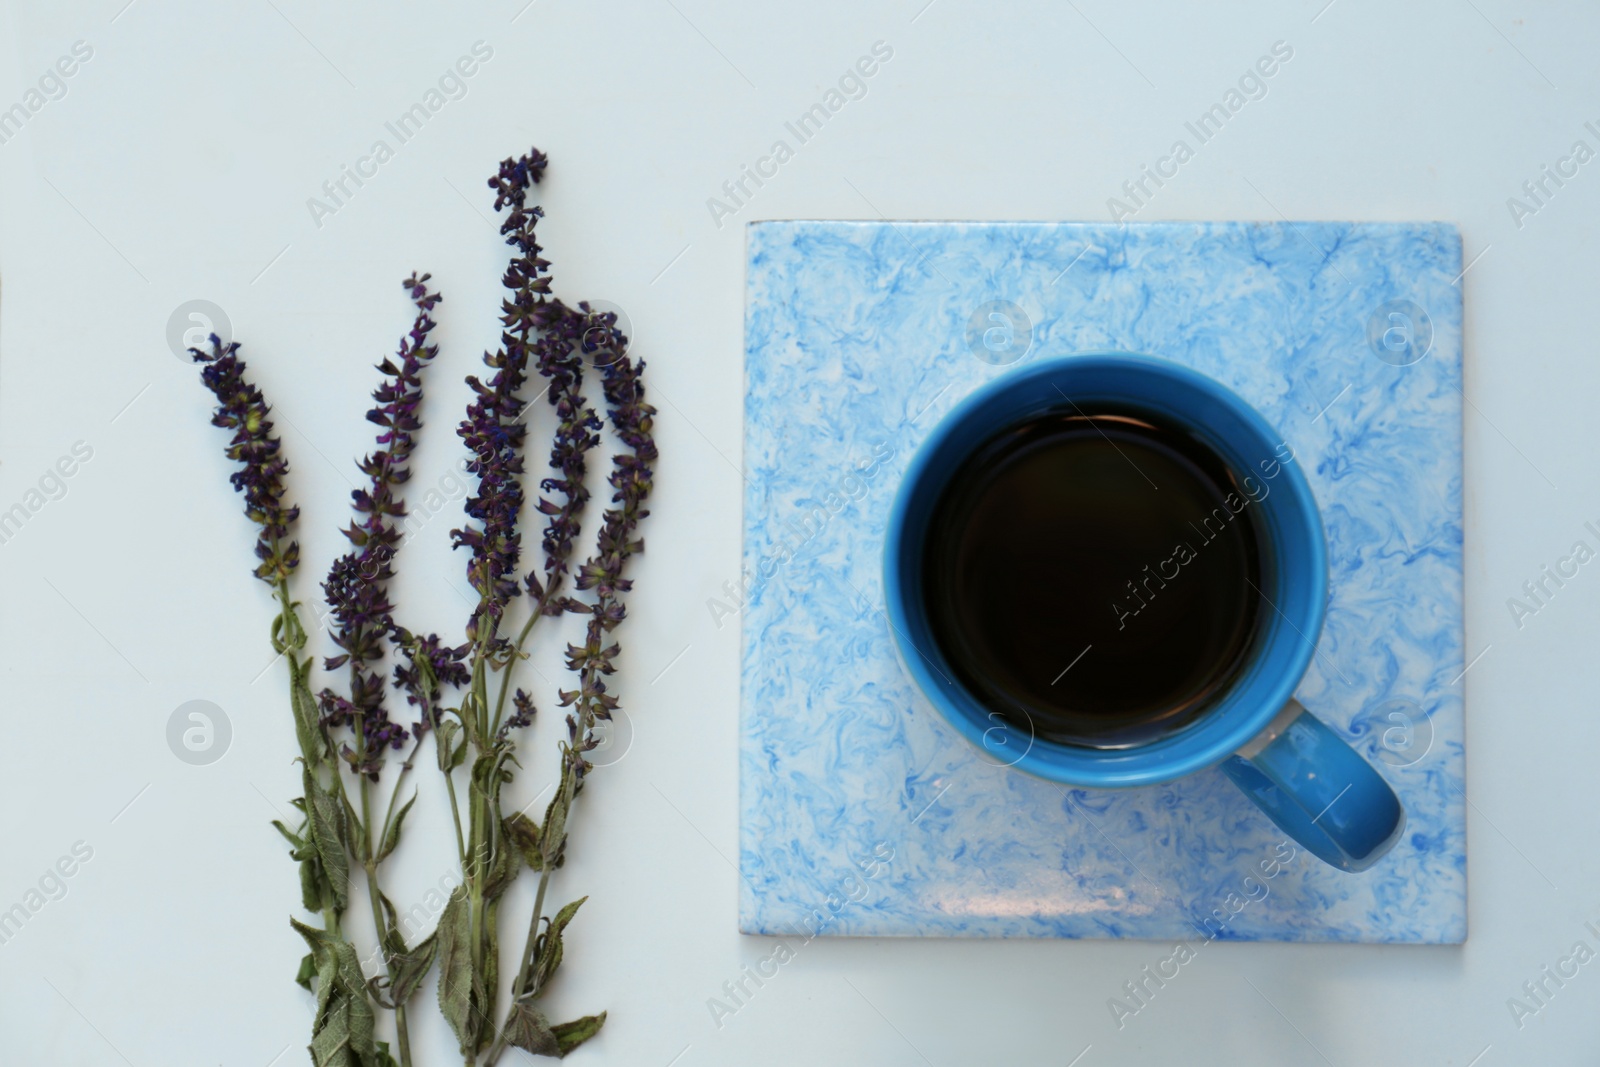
861,812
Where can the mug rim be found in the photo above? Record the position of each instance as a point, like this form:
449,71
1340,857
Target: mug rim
1224,727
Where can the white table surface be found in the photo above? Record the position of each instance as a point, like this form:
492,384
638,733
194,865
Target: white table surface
178,165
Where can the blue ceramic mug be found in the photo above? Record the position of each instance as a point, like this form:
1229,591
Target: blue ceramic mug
1299,772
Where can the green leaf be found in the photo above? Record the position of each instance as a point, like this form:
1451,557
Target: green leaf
553,838
529,1030
502,871
308,970
564,916
490,977
456,978
489,773
393,943
330,1043
351,826
575,1033
392,837
409,968
523,833
310,884
327,967
448,751
443,743
294,839
306,720
377,991
342,1032
362,1025
326,820
548,950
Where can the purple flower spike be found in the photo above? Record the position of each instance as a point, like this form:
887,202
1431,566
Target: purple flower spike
523,716
429,666
493,429
241,408
630,478
560,353
357,583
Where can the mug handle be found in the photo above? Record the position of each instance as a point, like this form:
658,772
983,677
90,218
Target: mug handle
1318,790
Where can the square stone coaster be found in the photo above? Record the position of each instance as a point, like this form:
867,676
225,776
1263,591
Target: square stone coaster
861,811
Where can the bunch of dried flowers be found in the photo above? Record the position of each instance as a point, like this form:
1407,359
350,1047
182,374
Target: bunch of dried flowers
474,739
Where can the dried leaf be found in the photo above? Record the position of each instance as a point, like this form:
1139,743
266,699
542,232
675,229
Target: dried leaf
564,916
411,967
393,943
523,832
392,837
489,773
350,826
575,1033
502,871
330,1044
306,728
529,1030
342,1033
490,977
377,987
327,825
295,840
443,743
553,837
548,951
326,966
456,980
362,1025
